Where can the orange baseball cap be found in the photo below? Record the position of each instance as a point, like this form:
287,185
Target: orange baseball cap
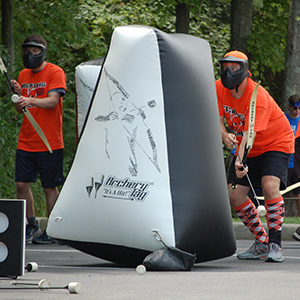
237,54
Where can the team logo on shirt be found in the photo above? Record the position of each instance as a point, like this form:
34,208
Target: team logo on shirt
237,120
34,89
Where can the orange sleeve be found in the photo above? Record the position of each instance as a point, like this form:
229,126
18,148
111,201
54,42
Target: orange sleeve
298,131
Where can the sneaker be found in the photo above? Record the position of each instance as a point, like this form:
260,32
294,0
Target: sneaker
256,251
31,232
275,253
296,234
43,239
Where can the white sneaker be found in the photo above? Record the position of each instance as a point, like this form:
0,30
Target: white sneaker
275,253
256,251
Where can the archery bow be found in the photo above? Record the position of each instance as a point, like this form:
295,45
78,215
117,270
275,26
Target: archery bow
15,98
252,112
250,140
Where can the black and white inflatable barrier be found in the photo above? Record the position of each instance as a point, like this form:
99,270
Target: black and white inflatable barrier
86,76
149,158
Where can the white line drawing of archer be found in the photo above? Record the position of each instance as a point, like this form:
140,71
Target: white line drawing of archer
122,109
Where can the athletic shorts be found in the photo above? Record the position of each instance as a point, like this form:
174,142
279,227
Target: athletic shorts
272,163
48,165
293,178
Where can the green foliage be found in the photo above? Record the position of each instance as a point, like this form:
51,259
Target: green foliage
211,22
56,21
9,125
268,32
267,43
103,17
208,19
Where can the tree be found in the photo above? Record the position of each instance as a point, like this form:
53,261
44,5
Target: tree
7,30
292,57
182,18
241,24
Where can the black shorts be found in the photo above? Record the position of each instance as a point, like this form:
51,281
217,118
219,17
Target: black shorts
272,163
48,165
293,178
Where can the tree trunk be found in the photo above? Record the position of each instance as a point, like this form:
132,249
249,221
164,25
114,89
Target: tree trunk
7,31
292,55
241,24
182,18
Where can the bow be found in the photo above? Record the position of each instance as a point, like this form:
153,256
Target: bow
250,140
15,98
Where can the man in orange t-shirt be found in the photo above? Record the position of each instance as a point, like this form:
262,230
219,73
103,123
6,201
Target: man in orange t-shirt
296,234
267,160
41,86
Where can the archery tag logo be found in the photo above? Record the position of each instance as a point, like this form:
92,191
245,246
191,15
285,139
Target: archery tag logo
125,189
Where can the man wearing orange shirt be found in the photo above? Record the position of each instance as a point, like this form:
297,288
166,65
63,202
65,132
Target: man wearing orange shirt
41,86
267,160
296,234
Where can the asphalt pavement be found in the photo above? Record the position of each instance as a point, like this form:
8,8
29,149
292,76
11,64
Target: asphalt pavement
228,278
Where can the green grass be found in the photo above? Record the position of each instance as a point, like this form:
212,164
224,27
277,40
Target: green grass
287,220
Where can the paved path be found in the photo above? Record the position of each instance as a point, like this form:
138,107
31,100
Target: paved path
227,278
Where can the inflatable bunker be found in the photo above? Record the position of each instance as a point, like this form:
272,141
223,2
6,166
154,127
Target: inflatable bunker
149,158
86,75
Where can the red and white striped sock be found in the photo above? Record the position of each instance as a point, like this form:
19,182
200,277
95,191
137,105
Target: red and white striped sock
248,214
275,216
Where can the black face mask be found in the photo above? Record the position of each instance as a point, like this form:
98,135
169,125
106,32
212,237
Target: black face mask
30,60
233,78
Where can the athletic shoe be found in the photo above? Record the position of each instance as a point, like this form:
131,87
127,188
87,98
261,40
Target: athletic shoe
31,232
256,251
275,253
43,239
296,234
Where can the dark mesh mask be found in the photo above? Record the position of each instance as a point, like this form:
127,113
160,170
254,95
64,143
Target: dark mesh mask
232,76
30,60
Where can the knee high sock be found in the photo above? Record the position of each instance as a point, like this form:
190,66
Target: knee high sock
275,216
248,214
